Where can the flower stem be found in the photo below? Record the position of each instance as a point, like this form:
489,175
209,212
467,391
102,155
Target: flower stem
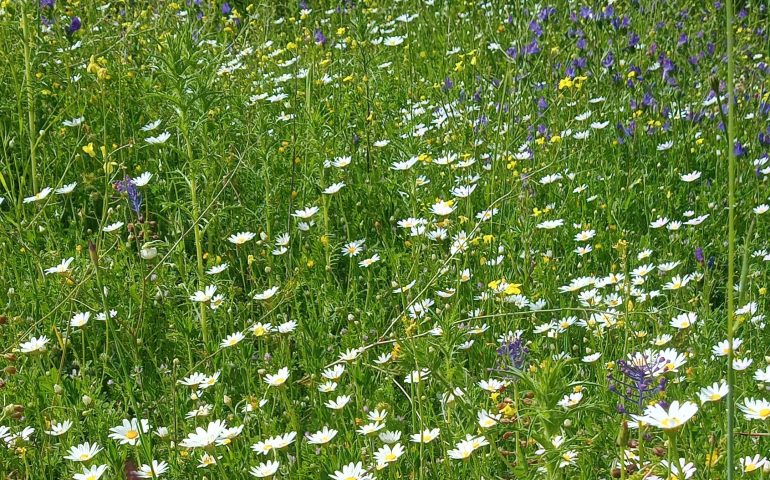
196,219
731,235
671,454
31,131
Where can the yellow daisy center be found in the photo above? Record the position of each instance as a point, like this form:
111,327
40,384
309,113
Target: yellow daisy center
671,422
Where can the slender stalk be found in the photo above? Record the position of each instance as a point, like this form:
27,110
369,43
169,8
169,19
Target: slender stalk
672,455
745,262
30,99
622,462
92,252
196,227
199,255
731,237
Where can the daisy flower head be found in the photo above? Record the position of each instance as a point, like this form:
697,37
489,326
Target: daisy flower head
266,469
690,177
129,431
714,392
34,344
151,126
370,428
158,139
339,403
684,320
550,224
571,400
369,261
321,437
417,376
672,419
80,319
232,340
113,227
75,122
278,379
350,354
83,452
305,213
92,473
426,436
352,249
58,429
203,437
486,419
351,471
269,293
41,195
143,179
442,208
154,469
334,188
387,454
461,451
205,295
750,464
66,188
62,268
241,237
754,409
217,269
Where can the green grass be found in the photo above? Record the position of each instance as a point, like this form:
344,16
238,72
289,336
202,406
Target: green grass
411,106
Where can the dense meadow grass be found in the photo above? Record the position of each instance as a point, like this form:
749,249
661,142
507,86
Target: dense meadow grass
414,239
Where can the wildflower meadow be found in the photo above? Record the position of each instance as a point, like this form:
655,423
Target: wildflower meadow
384,239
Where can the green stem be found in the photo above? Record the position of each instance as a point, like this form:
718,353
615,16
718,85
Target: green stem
294,420
731,237
745,262
196,227
671,454
30,100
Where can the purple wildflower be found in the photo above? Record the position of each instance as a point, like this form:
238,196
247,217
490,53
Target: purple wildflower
512,353
319,37
608,60
128,187
739,150
638,378
74,25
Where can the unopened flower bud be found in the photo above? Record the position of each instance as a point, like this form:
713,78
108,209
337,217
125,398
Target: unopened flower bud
92,252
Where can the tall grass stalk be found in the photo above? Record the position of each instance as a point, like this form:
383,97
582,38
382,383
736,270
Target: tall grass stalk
730,237
31,130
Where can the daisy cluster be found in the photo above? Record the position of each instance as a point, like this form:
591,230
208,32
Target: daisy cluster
359,239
